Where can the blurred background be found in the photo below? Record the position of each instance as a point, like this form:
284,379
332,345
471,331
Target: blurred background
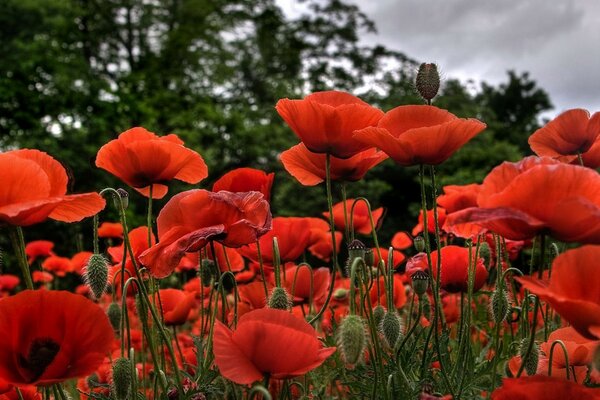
76,73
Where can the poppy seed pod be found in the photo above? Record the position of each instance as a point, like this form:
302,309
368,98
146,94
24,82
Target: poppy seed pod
121,379
280,299
391,327
356,249
428,81
531,360
122,199
352,338
96,274
420,280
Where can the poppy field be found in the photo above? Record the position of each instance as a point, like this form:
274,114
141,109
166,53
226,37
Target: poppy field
494,293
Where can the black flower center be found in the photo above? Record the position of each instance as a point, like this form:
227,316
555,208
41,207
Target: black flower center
41,354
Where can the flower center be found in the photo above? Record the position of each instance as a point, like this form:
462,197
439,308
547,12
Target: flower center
41,354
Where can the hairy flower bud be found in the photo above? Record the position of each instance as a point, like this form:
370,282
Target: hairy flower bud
207,271
419,244
428,81
122,199
391,327
114,316
378,313
485,253
531,360
280,299
121,379
499,305
352,338
96,274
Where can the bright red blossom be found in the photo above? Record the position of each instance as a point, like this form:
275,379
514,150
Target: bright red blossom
324,121
246,180
361,221
175,305
267,341
543,387
38,249
141,159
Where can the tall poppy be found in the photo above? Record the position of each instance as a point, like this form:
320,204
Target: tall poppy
34,187
267,341
324,121
441,215
537,195
543,387
573,290
457,197
246,180
320,243
141,159
50,337
293,235
572,132
175,305
38,249
454,268
112,230
191,219
413,135
304,283
309,168
361,220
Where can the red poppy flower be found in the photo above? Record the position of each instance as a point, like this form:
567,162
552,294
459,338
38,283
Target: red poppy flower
378,292
38,249
253,294
42,276
297,281
573,290
309,168
543,387
537,195
191,219
44,194
456,197
79,261
413,135
59,266
401,241
227,259
398,256
454,268
430,221
110,230
292,235
579,348
267,341
175,305
324,121
26,393
53,336
319,244
246,180
572,132
361,221
141,159
8,282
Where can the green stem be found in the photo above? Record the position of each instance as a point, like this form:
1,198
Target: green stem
18,243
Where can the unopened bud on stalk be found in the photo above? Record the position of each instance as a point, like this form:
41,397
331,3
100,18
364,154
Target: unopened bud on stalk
499,305
340,293
428,81
378,313
96,275
207,271
121,379
390,327
420,282
419,244
280,299
352,338
122,199
485,253
531,361
114,316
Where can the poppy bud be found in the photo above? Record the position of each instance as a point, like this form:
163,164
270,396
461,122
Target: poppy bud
378,313
485,253
140,308
121,378
420,282
114,316
122,199
280,299
340,294
531,361
428,81
352,338
207,271
391,327
419,244
499,305
96,274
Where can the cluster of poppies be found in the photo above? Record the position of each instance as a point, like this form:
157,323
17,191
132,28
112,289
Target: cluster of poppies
221,299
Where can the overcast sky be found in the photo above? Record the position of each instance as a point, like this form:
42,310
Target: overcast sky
556,41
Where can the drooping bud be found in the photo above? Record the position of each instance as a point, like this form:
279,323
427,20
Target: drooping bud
378,313
122,199
499,305
531,360
121,379
114,316
428,81
391,327
280,299
207,271
420,282
352,338
419,244
485,253
95,274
